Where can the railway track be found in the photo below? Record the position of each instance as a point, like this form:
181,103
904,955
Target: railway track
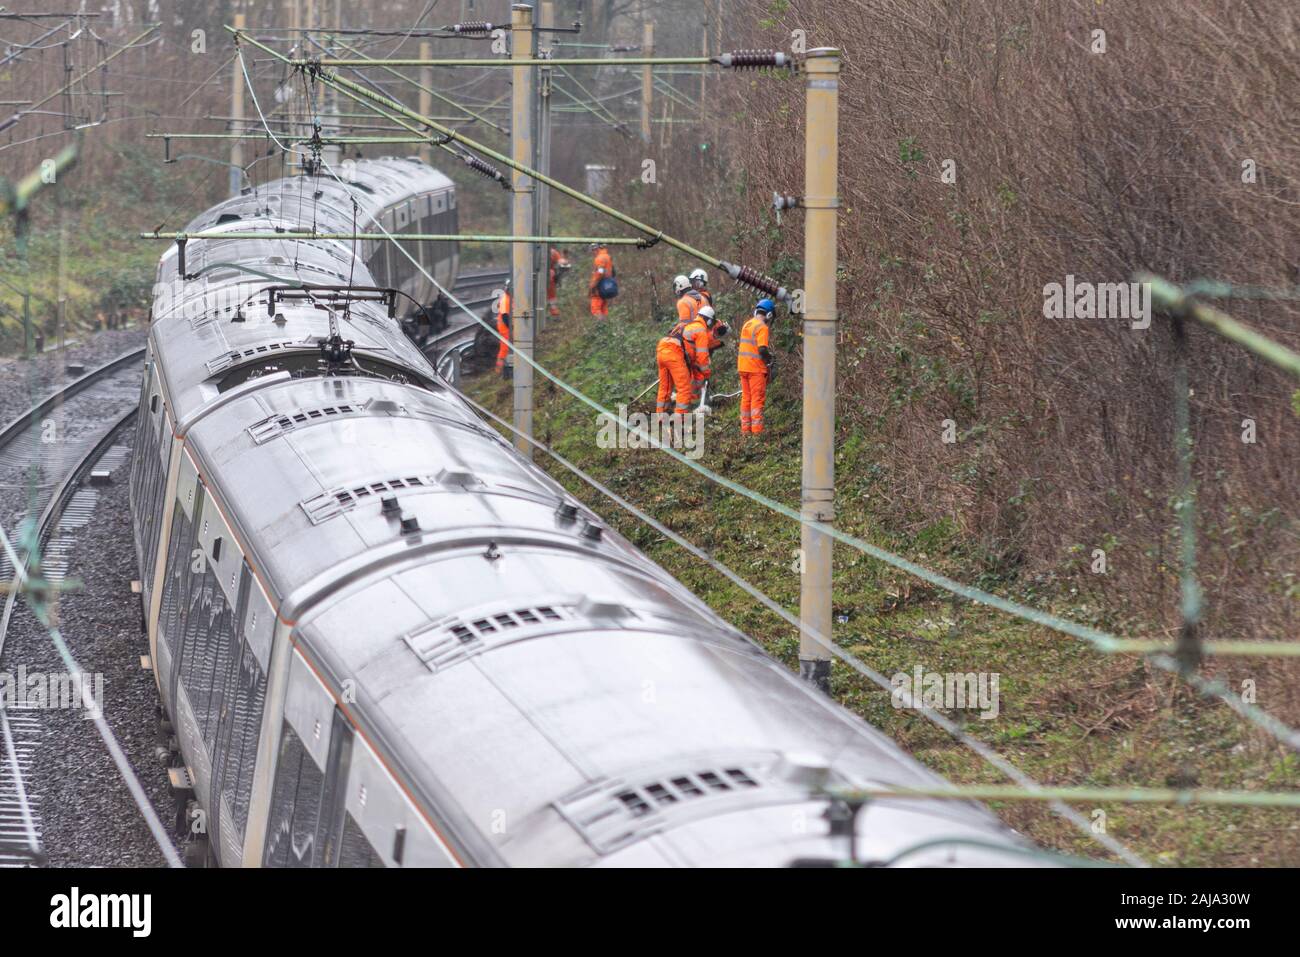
46,457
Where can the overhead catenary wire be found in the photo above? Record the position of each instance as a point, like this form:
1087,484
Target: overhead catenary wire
361,94
112,56
436,95
1100,640
1184,797
863,669
992,757
612,119
408,237
16,50
402,123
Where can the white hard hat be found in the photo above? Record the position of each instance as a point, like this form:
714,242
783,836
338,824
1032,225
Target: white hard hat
681,284
701,275
707,312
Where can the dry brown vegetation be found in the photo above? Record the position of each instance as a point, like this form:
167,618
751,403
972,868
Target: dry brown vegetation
1068,161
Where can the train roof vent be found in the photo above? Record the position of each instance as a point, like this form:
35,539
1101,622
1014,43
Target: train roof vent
454,639
228,359
602,610
611,813
458,478
276,425
339,500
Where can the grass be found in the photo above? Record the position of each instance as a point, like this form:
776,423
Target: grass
82,244
1068,716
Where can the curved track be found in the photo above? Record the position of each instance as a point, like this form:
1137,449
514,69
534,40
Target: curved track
46,455
45,458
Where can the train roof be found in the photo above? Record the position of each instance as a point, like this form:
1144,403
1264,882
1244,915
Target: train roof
506,649
375,184
440,578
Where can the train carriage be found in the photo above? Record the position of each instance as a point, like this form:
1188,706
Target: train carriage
385,639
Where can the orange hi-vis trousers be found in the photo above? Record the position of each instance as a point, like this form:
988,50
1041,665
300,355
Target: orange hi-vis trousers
753,393
673,375
599,307
503,327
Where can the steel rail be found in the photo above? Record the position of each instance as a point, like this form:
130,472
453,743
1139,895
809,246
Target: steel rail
53,509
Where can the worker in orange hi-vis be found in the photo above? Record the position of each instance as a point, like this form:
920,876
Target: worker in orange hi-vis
602,269
688,301
754,362
700,283
503,326
700,341
674,373
559,265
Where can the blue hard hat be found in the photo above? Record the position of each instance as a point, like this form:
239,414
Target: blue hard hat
765,305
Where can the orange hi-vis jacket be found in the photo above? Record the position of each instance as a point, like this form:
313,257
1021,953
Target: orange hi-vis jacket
688,306
697,339
601,266
503,327
553,273
754,336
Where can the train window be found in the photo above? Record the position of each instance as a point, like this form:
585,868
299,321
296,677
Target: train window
148,485
205,654
378,264
232,756
425,225
296,800
245,726
335,799
355,850
453,218
168,612
177,603
227,679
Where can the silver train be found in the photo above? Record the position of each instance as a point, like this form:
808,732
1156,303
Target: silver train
382,638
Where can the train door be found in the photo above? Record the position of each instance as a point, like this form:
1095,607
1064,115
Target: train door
334,801
307,798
